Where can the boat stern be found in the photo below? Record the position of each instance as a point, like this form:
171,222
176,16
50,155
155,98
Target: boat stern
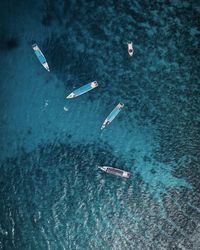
126,174
34,46
94,84
120,105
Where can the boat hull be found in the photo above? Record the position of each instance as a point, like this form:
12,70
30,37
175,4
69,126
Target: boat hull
83,89
40,56
115,171
130,48
112,115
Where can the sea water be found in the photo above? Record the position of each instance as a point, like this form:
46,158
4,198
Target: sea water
52,194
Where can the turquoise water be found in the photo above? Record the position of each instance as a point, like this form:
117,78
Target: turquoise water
52,195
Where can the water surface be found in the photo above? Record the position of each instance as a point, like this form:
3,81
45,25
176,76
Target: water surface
52,195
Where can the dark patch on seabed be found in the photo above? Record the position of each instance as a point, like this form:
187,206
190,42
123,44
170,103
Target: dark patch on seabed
8,43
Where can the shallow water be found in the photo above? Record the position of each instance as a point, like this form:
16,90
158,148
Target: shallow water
52,195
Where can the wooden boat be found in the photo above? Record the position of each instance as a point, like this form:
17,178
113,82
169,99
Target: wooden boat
130,48
40,56
115,171
112,115
83,89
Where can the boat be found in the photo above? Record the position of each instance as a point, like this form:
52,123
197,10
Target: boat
82,90
115,171
112,115
40,56
130,48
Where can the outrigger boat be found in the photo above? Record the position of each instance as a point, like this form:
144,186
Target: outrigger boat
112,115
115,171
40,56
82,90
130,48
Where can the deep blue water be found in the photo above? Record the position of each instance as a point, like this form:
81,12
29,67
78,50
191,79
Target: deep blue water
52,195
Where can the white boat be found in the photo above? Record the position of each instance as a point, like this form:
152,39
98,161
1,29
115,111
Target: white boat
112,115
130,48
115,171
83,89
40,56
